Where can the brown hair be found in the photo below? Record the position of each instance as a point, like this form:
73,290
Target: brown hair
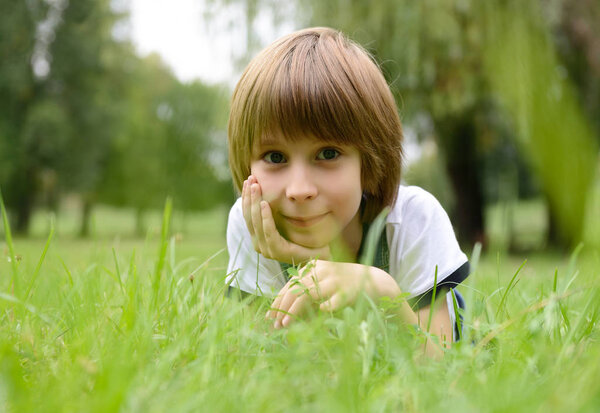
316,82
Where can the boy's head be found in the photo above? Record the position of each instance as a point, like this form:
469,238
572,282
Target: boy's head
316,82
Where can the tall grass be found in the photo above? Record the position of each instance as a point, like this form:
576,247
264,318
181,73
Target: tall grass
100,331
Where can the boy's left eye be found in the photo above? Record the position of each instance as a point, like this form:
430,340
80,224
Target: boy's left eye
328,154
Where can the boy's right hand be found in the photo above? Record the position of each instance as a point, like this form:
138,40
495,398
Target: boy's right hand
265,237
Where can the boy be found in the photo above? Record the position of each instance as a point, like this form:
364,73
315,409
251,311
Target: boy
315,150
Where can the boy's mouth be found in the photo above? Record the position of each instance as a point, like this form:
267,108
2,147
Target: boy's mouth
306,221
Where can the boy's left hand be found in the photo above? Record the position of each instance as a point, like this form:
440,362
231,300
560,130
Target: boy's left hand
332,284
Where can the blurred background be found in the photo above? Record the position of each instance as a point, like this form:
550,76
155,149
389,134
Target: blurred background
109,107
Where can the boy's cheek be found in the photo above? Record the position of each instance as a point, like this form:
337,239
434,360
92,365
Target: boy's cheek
271,198
281,229
267,184
269,194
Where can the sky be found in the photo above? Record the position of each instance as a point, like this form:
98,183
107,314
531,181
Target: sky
194,46
177,30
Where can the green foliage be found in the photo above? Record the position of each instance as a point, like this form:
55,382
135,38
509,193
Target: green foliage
429,172
552,129
167,143
84,114
12,258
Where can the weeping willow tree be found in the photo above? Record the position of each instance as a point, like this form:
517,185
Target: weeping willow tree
552,130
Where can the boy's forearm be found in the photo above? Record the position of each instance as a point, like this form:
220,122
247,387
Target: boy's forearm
440,319
385,286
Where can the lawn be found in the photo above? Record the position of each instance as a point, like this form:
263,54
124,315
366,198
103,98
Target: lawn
126,324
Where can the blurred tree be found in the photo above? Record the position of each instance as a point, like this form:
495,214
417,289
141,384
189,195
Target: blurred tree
58,77
552,127
577,36
167,143
19,91
87,76
195,150
82,113
134,175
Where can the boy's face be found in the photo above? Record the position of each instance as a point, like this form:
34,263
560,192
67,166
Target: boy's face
313,188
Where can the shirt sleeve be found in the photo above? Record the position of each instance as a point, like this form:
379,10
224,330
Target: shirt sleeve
423,244
247,269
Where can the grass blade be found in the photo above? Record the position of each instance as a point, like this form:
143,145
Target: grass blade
508,288
67,271
40,262
118,271
11,249
432,299
162,251
33,310
373,235
457,315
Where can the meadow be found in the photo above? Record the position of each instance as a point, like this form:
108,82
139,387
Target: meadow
118,323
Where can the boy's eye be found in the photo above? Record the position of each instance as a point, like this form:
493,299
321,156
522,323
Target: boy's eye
328,154
274,157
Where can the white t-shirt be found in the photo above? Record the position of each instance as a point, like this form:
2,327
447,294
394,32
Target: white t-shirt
419,236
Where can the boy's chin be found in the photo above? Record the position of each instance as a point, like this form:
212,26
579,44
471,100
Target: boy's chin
309,240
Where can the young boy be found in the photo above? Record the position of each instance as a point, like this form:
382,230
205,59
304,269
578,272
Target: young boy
315,150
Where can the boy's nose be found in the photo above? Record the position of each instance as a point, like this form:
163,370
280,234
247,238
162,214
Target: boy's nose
301,186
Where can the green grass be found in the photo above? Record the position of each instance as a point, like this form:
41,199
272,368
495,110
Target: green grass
95,334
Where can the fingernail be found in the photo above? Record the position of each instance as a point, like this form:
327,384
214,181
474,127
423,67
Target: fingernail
286,320
277,324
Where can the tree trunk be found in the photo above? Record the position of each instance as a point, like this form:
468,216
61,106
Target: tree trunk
86,215
140,228
457,138
24,206
554,235
24,190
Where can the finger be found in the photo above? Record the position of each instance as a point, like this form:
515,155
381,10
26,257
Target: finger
287,300
272,313
334,303
256,214
247,212
317,290
322,290
309,269
271,235
316,280
246,206
298,307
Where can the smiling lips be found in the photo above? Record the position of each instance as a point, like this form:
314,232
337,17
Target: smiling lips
305,222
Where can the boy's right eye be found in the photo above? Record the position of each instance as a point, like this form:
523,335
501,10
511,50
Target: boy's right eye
274,157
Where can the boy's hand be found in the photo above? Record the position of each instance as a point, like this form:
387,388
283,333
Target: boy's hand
265,237
332,284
